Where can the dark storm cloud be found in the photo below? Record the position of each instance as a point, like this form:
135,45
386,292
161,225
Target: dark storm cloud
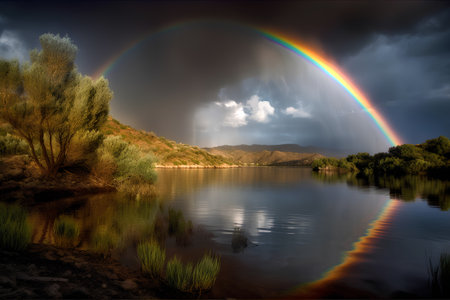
396,51
408,76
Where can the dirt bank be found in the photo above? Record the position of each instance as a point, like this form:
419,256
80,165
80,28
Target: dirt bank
20,180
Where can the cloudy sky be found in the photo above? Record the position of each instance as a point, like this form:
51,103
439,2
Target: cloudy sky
199,74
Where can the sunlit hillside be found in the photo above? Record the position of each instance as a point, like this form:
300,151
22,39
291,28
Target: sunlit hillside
168,153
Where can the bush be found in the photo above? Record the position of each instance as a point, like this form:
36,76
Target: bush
179,275
15,232
152,258
130,164
10,144
66,231
205,273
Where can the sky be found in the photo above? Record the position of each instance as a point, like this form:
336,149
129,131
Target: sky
196,72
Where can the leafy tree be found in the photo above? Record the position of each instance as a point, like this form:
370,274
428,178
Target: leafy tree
50,104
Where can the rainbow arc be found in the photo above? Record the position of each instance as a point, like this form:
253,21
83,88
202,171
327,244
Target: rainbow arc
299,49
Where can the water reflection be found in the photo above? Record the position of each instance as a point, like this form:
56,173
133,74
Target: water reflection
407,188
294,226
300,227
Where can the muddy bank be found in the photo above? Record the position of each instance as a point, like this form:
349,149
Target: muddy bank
20,180
44,271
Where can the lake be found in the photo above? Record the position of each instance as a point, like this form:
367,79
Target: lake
374,236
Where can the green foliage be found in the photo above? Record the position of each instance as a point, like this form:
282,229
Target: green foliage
187,278
10,144
179,227
179,275
205,273
431,158
15,232
104,241
48,103
152,258
439,146
66,231
128,162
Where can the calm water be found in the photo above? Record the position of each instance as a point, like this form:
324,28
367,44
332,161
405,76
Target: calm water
302,227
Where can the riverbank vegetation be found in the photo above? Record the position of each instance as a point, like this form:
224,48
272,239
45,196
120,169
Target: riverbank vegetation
429,158
184,277
15,231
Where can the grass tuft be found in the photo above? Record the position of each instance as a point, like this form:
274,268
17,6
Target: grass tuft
15,232
440,276
179,275
152,258
205,272
66,231
104,241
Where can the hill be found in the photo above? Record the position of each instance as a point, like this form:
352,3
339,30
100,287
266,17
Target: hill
169,153
282,148
264,157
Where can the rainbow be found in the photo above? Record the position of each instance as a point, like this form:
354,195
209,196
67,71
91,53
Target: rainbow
301,50
365,244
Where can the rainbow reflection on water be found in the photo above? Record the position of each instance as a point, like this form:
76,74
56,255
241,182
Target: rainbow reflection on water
364,245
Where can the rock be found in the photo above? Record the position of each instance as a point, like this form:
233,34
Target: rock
128,284
32,269
26,277
53,291
104,285
81,265
7,282
78,293
49,256
110,275
67,273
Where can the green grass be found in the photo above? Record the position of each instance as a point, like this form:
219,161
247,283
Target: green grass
15,232
179,275
152,258
104,241
205,273
66,231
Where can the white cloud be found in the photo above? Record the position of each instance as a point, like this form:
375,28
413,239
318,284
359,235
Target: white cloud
296,112
11,47
235,115
259,110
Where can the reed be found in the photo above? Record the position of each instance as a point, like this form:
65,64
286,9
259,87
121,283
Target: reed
15,231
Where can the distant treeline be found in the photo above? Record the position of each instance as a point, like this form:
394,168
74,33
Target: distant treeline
429,158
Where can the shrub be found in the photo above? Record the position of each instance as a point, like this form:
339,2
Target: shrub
66,231
15,232
10,144
205,273
131,164
179,275
152,258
